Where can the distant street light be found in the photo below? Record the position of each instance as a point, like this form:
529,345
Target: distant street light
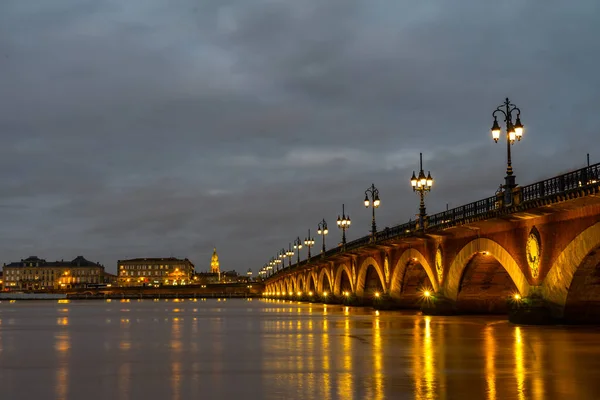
272,265
298,246
309,242
343,223
277,262
322,230
289,253
513,131
374,203
421,185
282,255
269,268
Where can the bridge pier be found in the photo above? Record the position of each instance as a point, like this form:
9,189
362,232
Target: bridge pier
532,310
438,304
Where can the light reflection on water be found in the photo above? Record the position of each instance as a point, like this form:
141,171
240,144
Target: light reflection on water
62,346
283,350
490,362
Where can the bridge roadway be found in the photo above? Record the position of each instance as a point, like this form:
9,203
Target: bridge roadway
537,259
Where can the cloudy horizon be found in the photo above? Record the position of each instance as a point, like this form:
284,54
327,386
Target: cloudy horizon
157,129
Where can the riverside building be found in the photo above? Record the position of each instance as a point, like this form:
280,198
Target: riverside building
155,272
35,273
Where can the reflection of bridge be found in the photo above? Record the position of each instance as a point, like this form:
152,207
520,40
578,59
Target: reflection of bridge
542,251
225,290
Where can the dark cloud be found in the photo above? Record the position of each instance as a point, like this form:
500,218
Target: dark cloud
152,129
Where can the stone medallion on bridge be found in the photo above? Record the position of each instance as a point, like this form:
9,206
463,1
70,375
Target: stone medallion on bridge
533,253
386,270
439,267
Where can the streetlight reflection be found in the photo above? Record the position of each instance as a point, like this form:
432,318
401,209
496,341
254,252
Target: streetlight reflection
378,385
423,358
326,359
490,362
519,364
345,388
62,347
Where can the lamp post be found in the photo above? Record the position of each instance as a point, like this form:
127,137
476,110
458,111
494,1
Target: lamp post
322,230
309,242
282,255
374,203
269,268
513,131
289,253
421,185
276,263
298,246
343,223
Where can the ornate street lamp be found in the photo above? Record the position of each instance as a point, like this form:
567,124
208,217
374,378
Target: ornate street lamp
277,263
298,246
249,272
282,255
269,267
309,242
322,230
374,203
343,223
421,185
513,132
289,253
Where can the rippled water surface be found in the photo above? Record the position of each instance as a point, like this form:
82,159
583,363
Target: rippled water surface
259,349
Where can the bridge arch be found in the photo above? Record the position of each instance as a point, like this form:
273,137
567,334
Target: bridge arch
478,246
324,281
296,283
342,270
362,275
400,269
311,282
555,287
299,283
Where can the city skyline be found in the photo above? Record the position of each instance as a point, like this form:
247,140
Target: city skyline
137,131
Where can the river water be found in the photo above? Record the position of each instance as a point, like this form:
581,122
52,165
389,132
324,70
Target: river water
262,349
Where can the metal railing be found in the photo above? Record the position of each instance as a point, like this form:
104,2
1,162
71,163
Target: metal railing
580,178
470,210
562,183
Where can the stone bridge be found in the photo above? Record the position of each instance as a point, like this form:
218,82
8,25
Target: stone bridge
484,257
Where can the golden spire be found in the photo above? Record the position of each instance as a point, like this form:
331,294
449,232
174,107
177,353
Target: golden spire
214,262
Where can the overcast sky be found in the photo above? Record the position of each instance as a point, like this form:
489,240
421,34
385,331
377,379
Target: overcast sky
149,128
